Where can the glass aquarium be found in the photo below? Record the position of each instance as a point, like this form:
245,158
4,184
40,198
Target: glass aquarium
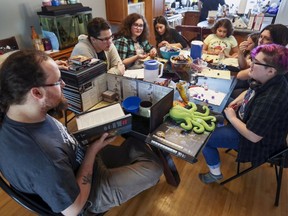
67,27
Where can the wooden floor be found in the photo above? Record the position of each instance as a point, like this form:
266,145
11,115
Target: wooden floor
252,194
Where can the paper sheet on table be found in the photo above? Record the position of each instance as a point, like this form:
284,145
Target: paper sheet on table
220,74
136,73
230,61
208,96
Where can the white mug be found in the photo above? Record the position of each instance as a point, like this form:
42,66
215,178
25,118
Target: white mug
144,108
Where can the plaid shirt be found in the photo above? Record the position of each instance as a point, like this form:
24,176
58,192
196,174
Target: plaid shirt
125,47
266,114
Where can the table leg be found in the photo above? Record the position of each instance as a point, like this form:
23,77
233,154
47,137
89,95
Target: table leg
169,168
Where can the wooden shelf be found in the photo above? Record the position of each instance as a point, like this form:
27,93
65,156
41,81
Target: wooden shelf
117,10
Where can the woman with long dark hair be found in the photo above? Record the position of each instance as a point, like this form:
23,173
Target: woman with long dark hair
274,33
167,36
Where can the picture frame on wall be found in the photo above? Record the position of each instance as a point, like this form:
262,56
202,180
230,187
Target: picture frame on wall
251,22
258,22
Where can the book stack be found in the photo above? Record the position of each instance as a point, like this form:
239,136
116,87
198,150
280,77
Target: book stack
79,77
84,87
171,138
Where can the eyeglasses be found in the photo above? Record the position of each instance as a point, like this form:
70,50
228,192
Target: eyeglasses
136,25
59,82
255,62
105,39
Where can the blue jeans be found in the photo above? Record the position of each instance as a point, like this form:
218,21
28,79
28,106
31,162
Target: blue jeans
222,137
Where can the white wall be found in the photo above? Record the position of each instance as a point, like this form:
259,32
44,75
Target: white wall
282,13
16,17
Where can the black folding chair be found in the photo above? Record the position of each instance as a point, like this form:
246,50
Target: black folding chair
205,32
279,161
31,202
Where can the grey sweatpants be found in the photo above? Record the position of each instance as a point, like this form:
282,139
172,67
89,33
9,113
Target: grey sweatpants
120,173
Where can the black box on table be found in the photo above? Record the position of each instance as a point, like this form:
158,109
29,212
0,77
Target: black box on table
160,96
84,87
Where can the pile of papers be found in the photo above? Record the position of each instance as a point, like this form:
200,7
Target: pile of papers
214,73
207,95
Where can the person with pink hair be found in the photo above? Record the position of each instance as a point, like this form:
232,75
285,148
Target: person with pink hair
257,118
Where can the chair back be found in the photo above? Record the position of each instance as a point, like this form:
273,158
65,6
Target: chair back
205,32
31,202
11,42
189,32
280,158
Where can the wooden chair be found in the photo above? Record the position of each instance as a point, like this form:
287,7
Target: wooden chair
279,161
189,32
205,32
11,42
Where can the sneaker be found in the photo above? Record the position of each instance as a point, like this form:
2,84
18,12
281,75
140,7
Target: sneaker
208,178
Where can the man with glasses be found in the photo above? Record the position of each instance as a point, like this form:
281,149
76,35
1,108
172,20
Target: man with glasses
38,156
258,117
98,44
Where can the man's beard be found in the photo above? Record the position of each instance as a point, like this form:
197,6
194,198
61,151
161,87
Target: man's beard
63,104
58,110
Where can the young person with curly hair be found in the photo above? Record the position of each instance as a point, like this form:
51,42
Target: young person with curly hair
131,41
222,40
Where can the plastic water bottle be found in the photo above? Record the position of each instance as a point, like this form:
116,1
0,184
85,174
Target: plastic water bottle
196,49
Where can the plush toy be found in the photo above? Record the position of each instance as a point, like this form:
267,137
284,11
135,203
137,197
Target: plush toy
190,119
